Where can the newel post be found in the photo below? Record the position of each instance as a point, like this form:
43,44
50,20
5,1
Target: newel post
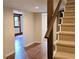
50,39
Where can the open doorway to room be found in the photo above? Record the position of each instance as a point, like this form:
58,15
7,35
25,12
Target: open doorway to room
44,27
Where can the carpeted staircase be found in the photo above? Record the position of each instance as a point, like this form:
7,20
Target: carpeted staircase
65,45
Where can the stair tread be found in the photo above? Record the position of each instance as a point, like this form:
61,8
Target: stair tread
64,55
66,43
70,2
70,6
67,24
70,11
66,32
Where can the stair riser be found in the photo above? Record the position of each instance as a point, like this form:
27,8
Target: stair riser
68,4
65,49
57,58
73,6
70,8
66,37
67,28
69,20
71,3
69,14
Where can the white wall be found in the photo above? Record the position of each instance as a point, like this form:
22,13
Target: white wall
44,26
28,30
32,28
55,3
62,4
37,27
8,31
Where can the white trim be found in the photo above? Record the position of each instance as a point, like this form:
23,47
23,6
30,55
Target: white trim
14,52
32,43
10,54
38,42
29,44
24,46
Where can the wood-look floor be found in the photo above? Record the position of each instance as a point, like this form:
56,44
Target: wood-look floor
35,51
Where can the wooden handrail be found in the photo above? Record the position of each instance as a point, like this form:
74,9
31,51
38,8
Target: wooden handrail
53,20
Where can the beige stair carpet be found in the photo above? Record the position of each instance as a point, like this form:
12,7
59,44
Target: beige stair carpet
66,36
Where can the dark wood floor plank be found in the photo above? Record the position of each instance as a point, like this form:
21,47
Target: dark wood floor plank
37,51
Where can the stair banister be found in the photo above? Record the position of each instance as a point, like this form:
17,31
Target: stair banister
53,20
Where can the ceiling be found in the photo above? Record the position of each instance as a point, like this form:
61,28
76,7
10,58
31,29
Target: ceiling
27,5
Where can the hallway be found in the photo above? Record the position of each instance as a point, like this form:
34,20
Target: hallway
35,51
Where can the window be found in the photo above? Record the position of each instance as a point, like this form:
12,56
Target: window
17,24
16,21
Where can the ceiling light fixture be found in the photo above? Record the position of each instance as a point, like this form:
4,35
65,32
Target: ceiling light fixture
37,7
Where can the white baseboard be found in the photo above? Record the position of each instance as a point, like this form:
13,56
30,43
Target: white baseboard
24,46
10,54
31,43
37,42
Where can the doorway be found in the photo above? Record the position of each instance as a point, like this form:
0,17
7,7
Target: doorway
44,27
